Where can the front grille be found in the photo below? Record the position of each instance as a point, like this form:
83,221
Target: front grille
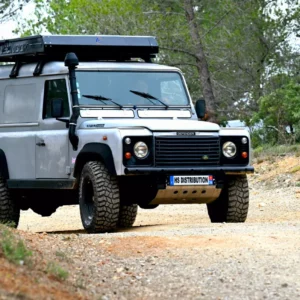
192,151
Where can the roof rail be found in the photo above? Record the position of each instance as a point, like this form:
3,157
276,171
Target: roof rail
87,48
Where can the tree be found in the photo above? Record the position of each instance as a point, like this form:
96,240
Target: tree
227,50
8,8
279,110
201,61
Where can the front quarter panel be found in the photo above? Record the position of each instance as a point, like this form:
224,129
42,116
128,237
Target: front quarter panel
109,137
112,137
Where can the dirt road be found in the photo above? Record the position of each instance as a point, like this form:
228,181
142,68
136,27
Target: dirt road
174,252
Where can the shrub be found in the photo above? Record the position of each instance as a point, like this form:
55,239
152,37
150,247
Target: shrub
13,248
57,271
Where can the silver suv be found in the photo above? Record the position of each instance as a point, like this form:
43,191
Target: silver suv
91,120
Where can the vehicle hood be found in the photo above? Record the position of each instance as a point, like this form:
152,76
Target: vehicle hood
151,124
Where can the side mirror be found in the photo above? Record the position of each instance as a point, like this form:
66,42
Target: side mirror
200,107
57,108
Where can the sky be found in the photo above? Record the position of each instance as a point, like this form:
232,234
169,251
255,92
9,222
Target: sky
6,29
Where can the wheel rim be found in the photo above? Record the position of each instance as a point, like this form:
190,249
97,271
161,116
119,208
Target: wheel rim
88,200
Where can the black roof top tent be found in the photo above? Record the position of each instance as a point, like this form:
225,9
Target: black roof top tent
86,47
44,48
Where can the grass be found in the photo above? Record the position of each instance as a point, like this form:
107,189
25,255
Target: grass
62,256
295,169
57,271
13,248
80,284
266,152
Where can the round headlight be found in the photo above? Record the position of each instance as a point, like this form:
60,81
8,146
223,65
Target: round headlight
140,150
229,149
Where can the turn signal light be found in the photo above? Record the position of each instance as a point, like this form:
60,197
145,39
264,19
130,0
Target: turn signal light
244,154
127,155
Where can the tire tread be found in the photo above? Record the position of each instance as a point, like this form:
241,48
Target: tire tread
233,203
127,215
106,198
9,210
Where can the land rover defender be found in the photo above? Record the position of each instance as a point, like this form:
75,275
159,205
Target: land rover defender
91,120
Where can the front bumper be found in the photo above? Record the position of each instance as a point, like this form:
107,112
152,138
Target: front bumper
227,170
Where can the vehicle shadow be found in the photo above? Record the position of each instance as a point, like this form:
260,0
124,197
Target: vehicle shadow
140,228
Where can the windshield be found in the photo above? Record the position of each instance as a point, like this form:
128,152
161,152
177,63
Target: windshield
131,88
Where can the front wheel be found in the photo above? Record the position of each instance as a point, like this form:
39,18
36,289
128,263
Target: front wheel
99,199
233,204
127,215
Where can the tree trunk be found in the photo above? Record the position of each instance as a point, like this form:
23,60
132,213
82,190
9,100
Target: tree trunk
201,61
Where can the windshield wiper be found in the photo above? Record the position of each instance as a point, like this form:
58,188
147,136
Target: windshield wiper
149,97
102,99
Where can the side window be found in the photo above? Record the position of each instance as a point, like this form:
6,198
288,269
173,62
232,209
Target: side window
19,103
54,89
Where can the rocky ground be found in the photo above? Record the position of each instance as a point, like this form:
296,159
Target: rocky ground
172,252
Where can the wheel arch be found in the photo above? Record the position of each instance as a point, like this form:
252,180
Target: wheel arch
3,165
95,152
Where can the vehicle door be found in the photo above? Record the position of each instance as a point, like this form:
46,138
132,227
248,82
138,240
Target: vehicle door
52,143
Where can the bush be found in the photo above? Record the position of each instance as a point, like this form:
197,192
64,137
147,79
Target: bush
278,115
57,271
13,248
279,150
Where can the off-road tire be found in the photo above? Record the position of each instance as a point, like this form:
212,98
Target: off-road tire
127,215
99,199
9,209
233,203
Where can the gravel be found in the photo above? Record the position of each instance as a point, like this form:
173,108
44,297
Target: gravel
174,252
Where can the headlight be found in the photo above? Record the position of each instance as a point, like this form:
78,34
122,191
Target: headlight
229,149
140,149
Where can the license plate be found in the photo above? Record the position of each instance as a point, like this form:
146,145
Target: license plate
192,180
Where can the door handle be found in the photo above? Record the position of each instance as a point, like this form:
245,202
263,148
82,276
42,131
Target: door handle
41,144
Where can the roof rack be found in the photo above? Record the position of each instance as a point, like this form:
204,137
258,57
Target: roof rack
87,48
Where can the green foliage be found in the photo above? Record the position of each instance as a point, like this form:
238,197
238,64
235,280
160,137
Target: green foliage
57,271
267,151
280,113
63,256
245,42
13,248
295,169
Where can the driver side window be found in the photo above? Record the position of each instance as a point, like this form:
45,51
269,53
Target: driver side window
54,89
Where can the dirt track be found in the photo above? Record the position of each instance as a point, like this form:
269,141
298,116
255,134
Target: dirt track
174,252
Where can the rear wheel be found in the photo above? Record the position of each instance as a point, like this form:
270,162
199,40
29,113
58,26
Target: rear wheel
99,199
127,215
9,209
233,204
